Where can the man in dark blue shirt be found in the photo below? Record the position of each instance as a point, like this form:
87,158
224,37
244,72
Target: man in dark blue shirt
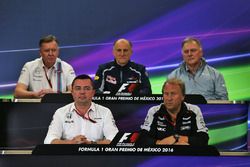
122,76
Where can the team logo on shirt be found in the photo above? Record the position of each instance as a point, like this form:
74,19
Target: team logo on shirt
111,79
161,129
96,78
133,80
185,128
159,123
37,74
69,115
37,71
68,118
161,118
23,71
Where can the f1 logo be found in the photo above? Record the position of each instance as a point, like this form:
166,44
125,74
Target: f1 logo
123,87
124,137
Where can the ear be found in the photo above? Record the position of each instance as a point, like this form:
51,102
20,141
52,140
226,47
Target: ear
94,92
183,97
40,53
201,50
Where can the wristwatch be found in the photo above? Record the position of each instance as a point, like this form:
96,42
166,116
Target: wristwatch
176,136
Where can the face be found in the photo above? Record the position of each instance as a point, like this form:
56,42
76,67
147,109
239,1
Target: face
82,91
49,52
172,97
122,52
192,53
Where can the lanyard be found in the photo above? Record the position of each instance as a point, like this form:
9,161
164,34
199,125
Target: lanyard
59,78
59,82
85,117
49,80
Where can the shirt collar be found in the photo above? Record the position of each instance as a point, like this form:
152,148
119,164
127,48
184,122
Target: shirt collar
122,67
91,108
163,110
202,64
54,66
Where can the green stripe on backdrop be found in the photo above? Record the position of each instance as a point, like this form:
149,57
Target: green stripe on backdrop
237,81
6,97
221,135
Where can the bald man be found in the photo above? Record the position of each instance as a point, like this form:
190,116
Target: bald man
122,76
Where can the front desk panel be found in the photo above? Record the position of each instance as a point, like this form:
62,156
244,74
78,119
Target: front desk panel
24,125
121,161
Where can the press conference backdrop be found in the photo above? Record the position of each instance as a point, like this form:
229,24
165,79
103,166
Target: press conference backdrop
86,30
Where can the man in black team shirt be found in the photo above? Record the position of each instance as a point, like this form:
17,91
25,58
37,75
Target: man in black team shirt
122,76
174,121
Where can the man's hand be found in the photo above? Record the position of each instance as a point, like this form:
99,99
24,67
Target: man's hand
183,140
167,140
43,92
80,139
181,143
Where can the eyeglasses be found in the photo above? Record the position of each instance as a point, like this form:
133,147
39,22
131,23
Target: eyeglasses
186,51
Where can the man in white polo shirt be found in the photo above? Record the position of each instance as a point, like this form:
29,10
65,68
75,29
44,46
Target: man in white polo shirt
83,121
47,74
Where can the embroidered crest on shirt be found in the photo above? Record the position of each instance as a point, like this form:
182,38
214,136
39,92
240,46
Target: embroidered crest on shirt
68,118
37,74
111,79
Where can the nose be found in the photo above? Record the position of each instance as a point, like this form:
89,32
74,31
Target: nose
51,52
169,97
189,53
122,52
83,91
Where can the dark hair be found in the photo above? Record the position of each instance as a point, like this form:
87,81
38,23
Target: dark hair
47,39
191,39
175,81
83,76
129,42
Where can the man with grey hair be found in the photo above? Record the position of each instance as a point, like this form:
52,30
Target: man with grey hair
198,76
174,122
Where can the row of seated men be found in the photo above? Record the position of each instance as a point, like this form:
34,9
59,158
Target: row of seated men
50,74
174,122
84,122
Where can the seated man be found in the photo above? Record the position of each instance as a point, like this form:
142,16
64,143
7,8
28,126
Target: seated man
83,121
174,121
121,76
47,74
198,76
